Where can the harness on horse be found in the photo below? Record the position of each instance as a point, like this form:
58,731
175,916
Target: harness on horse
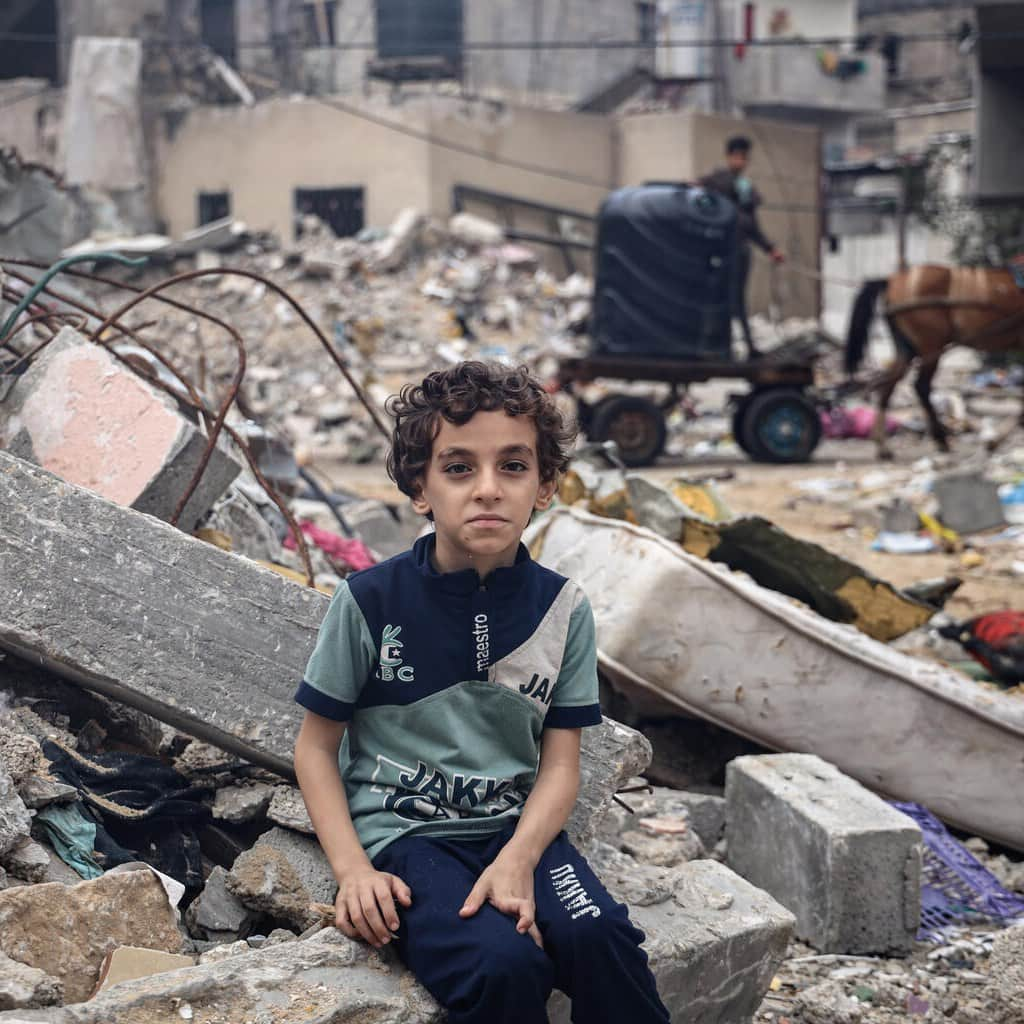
1016,268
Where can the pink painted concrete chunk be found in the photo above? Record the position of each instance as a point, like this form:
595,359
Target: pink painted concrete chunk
95,424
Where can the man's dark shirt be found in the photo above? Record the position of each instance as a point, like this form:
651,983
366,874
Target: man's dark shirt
723,181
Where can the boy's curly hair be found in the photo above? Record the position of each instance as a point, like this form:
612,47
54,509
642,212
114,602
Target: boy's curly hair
456,394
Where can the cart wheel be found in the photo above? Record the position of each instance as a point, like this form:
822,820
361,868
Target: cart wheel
738,416
779,425
635,424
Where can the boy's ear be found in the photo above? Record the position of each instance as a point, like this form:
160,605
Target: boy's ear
419,503
545,495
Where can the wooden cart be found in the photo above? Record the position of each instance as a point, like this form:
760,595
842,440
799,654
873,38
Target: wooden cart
777,420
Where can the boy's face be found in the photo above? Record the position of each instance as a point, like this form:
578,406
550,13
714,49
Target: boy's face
482,484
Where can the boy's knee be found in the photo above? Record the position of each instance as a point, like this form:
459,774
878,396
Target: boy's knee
513,969
595,928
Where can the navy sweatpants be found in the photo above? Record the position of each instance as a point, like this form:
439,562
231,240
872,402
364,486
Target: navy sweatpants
484,972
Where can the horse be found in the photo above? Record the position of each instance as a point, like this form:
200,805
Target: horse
928,309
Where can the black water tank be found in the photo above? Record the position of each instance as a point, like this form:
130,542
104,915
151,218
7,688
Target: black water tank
666,257
419,28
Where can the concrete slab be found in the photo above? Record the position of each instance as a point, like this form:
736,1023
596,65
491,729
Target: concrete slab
128,606
81,414
846,863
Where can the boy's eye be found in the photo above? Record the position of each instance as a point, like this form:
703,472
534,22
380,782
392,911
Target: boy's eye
516,466
456,468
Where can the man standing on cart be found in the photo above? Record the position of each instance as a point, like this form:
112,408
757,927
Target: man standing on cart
732,182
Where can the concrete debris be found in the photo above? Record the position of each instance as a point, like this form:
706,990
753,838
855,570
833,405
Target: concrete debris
37,792
82,415
654,826
714,941
23,987
20,754
15,821
968,503
307,858
288,809
330,977
239,805
401,240
846,863
66,931
27,860
265,881
129,962
1007,974
474,231
216,914
611,754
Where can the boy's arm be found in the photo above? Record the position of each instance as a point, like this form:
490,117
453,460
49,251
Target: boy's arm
365,906
507,882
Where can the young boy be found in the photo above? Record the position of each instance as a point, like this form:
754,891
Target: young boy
459,675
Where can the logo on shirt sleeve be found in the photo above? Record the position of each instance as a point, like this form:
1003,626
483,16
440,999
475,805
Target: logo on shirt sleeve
391,666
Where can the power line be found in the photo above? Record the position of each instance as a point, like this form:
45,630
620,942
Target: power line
440,48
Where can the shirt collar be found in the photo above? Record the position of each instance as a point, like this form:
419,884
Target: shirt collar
465,581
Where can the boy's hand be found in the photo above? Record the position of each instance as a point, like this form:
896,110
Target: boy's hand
506,884
365,905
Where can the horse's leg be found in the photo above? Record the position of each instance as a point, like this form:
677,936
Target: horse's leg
894,373
923,387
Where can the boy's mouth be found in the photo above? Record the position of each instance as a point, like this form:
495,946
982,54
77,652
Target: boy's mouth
488,519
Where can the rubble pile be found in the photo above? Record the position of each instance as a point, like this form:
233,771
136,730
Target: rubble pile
157,862
394,304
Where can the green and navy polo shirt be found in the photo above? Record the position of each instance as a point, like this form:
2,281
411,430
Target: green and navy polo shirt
447,683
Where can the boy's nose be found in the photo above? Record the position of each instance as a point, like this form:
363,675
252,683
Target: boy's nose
488,486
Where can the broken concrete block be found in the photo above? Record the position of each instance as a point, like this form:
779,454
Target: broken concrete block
662,850
23,987
20,753
129,962
27,860
233,636
264,880
968,502
706,812
702,812
307,858
401,240
15,820
656,508
1006,973
326,978
713,941
846,863
610,755
217,914
83,415
239,805
288,809
67,930
474,231
37,791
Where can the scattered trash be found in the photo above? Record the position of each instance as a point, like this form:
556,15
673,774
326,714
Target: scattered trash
904,543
